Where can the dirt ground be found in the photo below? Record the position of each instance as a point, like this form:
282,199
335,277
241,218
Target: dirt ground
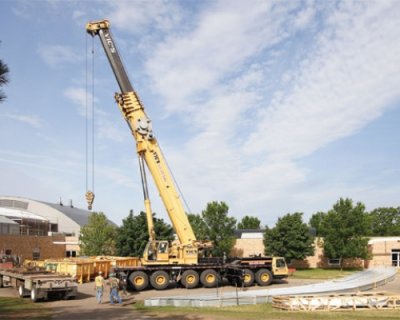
85,305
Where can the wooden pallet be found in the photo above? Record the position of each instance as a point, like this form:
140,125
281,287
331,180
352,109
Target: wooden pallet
337,302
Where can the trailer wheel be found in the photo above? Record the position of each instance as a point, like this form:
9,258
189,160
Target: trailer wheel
264,277
248,277
209,278
34,296
139,280
1,282
22,292
190,279
159,280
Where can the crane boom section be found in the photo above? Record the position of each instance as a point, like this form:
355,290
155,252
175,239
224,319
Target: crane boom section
146,144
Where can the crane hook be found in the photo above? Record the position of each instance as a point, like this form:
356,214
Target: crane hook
89,198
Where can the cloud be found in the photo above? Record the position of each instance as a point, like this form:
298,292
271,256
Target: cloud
260,86
106,128
58,55
32,120
160,15
248,138
82,99
345,83
47,162
223,40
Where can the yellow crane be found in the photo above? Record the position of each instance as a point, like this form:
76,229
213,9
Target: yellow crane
183,260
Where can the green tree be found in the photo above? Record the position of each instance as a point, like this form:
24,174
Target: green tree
290,238
385,222
4,71
316,222
220,227
249,222
97,237
199,226
344,228
133,235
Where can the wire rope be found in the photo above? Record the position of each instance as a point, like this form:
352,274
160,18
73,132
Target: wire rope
86,116
93,114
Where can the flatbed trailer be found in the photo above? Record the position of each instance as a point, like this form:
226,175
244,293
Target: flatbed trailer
208,273
39,284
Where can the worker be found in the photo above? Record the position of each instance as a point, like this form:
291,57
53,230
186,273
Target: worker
113,281
123,283
99,286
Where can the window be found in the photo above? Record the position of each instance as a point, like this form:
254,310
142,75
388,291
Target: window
70,254
334,262
396,257
36,254
280,263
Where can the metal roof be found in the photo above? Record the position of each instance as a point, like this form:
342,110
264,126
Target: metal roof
80,216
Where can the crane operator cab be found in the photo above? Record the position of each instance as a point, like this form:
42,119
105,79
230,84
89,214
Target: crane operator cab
157,251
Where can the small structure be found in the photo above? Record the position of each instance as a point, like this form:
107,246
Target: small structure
337,302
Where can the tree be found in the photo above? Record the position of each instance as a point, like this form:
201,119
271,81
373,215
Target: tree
344,229
220,228
316,222
133,235
385,222
4,71
248,222
199,226
97,236
290,238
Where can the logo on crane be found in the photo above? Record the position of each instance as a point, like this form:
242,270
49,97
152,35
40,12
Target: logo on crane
110,43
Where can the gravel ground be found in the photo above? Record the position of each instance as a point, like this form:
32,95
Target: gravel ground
85,305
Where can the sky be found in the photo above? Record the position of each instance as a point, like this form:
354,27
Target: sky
273,107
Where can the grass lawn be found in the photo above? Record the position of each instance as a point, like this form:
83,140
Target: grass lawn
323,274
261,311
17,308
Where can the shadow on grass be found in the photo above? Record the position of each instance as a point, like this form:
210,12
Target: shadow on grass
18,308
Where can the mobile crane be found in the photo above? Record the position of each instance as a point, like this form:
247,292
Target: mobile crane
184,260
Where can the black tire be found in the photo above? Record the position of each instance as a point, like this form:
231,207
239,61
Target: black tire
22,292
209,278
248,278
159,280
190,279
1,282
263,277
139,280
34,296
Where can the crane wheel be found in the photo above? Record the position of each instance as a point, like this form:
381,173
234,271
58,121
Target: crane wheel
34,296
209,278
190,279
22,292
159,280
248,277
264,277
139,280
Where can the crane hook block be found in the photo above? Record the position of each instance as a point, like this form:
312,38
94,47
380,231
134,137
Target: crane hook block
89,198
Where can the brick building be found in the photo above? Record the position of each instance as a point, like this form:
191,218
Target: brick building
385,251
34,229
